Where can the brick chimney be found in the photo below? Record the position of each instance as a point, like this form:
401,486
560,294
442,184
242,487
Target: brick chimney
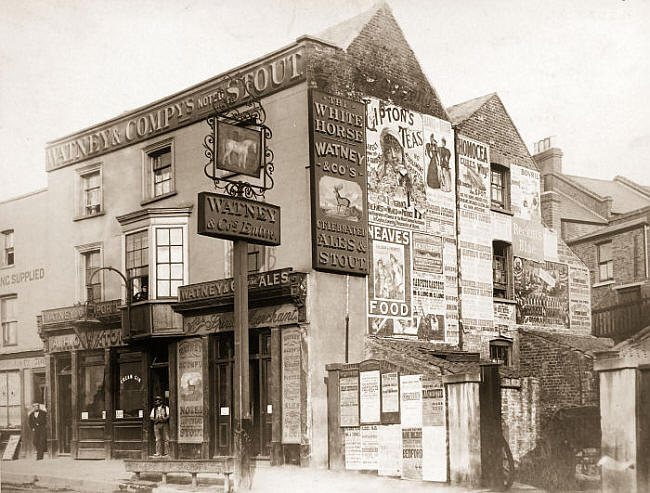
548,158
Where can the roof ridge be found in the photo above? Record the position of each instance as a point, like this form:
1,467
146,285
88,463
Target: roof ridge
485,97
579,204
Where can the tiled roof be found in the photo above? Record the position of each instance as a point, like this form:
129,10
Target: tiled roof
636,347
624,198
343,33
575,211
425,357
583,343
462,111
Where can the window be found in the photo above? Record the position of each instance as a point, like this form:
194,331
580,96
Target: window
10,407
130,394
137,264
158,170
89,191
91,394
8,248
169,261
501,269
92,284
605,262
255,257
501,351
499,187
9,321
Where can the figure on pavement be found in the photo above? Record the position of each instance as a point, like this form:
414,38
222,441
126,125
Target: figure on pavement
160,417
38,424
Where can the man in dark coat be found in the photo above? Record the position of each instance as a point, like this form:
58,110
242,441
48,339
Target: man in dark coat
38,424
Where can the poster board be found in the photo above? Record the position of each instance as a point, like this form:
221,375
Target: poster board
190,390
390,450
353,459
11,447
291,395
411,400
349,398
369,397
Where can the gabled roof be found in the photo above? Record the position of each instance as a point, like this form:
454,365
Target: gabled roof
586,344
572,210
343,33
625,198
462,111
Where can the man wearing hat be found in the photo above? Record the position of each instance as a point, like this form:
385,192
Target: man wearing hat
160,417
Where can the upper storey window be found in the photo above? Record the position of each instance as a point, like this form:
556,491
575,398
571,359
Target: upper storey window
605,262
499,187
89,199
8,258
158,171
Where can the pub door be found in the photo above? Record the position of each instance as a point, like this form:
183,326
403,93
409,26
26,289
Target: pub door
260,384
64,409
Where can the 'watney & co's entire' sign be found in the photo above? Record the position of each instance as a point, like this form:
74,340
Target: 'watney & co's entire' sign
234,218
227,91
337,141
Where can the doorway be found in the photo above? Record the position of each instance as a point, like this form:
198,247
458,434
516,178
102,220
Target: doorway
64,407
259,344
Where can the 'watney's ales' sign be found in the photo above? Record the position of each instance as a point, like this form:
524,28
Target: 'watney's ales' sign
337,140
234,218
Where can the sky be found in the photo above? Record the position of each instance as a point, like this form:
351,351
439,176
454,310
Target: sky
576,70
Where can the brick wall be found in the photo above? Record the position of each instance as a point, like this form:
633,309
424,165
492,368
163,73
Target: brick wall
550,202
559,183
378,62
566,377
572,230
492,124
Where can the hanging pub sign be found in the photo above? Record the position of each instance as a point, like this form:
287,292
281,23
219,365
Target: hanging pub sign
234,218
337,142
239,149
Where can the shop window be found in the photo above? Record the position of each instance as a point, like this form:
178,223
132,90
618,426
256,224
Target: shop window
158,171
10,407
89,195
501,351
90,259
501,262
605,262
137,264
169,261
91,392
499,187
8,258
130,393
9,320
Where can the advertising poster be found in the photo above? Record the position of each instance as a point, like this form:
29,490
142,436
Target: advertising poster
395,157
349,398
524,186
528,239
353,460
411,400
190,390
550,246
369,396
475,290
434,453
389,282
427,253
579,298
390,450
440,180
389,392
412,453
291,367
429,306
504,316
473,175
450,263
501,226
433,401
369,448
339,185
541,292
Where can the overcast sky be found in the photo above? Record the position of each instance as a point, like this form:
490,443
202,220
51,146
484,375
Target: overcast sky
578,69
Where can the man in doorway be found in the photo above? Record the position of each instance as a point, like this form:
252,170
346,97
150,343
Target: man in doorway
160,417
38,424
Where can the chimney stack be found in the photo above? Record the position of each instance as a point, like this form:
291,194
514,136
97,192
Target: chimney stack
547,156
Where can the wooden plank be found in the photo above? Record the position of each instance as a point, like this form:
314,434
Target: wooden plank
12,446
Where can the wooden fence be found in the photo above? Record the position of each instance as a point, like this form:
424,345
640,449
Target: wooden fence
621,321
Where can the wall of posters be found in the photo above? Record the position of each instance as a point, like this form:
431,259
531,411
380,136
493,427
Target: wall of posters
369,448
524,186
433,401
475,290
291,395
389,282
389,392
370,397
579,298
504,316
411,453
353,460
411,400
429,306
349,398
190,390
501,226
339,185
541,292
528,239
390,450
450,264
473,174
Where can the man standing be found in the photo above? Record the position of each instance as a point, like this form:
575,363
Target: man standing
160,417
38,424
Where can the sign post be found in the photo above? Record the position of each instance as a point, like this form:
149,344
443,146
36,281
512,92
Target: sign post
237,145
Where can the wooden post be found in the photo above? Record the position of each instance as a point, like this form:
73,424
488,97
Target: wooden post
109,367
74,383
241,373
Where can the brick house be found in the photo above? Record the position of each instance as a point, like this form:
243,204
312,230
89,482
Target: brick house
605,223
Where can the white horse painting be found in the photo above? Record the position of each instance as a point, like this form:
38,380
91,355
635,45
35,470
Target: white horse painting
239,151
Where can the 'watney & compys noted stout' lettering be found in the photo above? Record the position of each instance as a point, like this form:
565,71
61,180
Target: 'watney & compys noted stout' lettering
339,188
233,218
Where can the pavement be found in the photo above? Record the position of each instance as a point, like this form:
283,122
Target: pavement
109,476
